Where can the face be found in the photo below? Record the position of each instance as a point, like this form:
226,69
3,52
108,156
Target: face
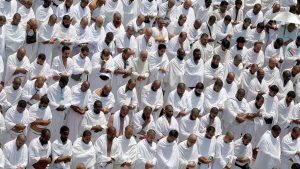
147,113
237,61
16,20
180,90
260,74
289,99
111,135
216,61
97,108
128,133
16,84
40,61
43,106
161,23
47,3
246,141
191,142
131,85
259,102
276,133
272,93
295,134
2,22
197,55
20,142
28,4
66,54
130,32
228,138
85,87
62,84
86,139
66,22
170,139
223,8
150,138
84,54
124,111
84,3
20,109
240,95
64,136
198,90
210,134
161,51
213,115
204,40
182,20
169,112
46,138
144,57
217,88
194,115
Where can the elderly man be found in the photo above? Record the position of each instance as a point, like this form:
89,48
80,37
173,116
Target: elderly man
146,42
254,55
146,151
34,90
95,121
141,72
62,149
115,26
17,65
39,151
127,40
31,44
16,120
108,150
79,106
16,153
257,85
272,73
152,96
97,33
83,151
83,35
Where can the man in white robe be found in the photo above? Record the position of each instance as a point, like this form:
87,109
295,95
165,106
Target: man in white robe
236,67
97,33
290,151
83,151
229,85
79,106
255,14
39,119
146,42
167,152
16,153
43,12
80,10
254,55
223,50
102,68
63,9
140,72
148,9
185,9
2,129
4,104
160,32
188,152
146,151
26,10
14,36
291,54
165,10
197,98
138,25
243,151
115,26
257,34
34,90
108,149
285,110
95,121
8,9
179,100
128,149
241,30
142,122
82,67
275,50
272,73
62,65
189,124
14,91
39,68
193,69
129,10
83,35
127,40
247,75
257,85
223,29
16,121
60,101
178,26
213,70
214,96
174,72
107,43
152,96
17,65
224,156
31,42
119,120
122,69
39,151
211,119
166,123
206,144
106,97
178,42
235,114
158,62
127,95
204,46
65,33
62,150
195,31
269,149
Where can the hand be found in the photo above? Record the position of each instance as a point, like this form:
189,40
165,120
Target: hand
52,40
67,159
36,97
97,128
149,165
259,114
298,153
191,164
86,72
61,108
181,114
20,126
162,70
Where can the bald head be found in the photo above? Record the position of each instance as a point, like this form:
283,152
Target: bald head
80,166
39,83
156,85
191,140
32,23
20,141
21,53
229,137
272,63
99,21
230,77
84,22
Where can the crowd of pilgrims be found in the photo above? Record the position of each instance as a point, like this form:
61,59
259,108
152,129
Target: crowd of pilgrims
149,84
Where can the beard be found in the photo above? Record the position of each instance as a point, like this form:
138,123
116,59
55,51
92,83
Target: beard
66,25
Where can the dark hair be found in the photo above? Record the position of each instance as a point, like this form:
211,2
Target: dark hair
210,128
63,129
161,46
64,48
86,133
291,94
85,49
276,128
22,104
42,56
44,99
173,133
226,43
274,88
